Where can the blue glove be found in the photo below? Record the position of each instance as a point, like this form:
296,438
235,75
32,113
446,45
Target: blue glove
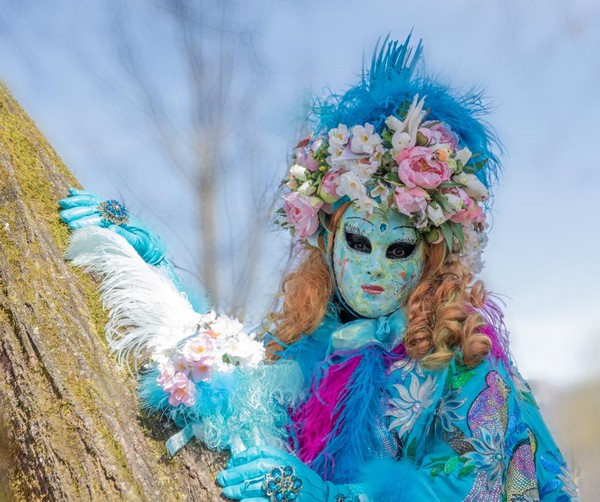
249,473
83,209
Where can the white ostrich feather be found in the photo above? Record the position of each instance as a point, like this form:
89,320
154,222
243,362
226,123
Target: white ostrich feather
147,314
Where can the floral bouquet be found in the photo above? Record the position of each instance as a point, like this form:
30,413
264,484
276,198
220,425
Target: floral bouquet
217,348
218,387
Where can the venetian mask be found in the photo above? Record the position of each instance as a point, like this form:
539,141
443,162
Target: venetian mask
377,260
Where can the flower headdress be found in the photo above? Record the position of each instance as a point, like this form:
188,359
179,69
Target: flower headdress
396,140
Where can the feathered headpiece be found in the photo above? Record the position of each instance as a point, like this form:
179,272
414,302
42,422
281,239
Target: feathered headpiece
398,139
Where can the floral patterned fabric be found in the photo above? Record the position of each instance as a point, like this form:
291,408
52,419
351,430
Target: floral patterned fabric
476,432
470,434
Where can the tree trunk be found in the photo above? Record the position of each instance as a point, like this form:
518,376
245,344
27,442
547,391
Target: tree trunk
70,426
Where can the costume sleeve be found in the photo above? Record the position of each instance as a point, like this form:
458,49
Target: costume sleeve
469,434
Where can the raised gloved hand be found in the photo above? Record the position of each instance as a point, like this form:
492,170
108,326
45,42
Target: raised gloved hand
265,473
83,209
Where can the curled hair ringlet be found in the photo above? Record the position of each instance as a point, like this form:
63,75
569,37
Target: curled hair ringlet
442,309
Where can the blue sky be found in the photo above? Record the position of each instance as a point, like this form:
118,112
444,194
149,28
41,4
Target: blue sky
537,59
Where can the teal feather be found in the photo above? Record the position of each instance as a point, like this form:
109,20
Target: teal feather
393,78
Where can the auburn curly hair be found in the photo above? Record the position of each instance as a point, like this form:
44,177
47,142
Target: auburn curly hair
442,308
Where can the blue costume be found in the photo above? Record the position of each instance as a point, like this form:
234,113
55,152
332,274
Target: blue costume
344,414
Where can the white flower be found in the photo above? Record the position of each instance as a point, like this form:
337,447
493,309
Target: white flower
366,204
376,156
435,214
299,172
364,139
406,130
408,406
226,327
474,245
334,150
244,351
463,156
381,191
473,186
339,136
209,317
363,171
351,185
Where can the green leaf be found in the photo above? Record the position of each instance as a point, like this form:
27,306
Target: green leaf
411,451
386,135
443,459
323,219
436,470
403,109
451,465
462,379
449,184
448,234
466,470
458,232
480,165
421,139
392,178
280,211
442,200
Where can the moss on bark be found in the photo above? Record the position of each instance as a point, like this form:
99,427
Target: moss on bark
73,430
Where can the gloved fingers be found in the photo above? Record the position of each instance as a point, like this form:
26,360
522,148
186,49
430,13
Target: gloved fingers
252,488
84,199
257,468
141,245
151,249
76,191
86,221
75,213
262,451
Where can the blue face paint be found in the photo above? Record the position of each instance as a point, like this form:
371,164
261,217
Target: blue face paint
377,260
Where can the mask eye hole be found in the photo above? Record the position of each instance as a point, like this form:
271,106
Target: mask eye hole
399,250
358,242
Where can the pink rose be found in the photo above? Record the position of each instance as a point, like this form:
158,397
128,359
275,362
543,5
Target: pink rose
417,166
302,214
411,201
470,212
306,160
459,203
476,214
439,133
328,189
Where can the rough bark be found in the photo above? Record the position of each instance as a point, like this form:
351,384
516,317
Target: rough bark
72,429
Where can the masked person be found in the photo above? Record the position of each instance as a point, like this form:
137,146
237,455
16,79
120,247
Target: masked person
387,374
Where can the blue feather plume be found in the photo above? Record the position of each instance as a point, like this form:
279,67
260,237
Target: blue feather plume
360,433
387,88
